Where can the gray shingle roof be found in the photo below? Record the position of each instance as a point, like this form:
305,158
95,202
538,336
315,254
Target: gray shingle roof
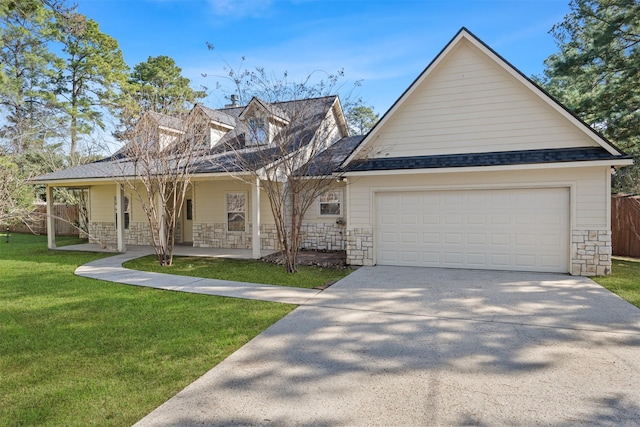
100,169
165,120
231,154
219,116
305,118
501,158
329,161
275,109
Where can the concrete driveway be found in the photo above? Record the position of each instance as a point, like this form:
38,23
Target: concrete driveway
415,346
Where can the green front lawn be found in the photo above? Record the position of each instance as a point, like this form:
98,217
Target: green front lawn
625,279
76,351
251,271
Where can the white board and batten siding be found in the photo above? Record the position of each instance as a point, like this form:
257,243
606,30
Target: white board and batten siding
504,229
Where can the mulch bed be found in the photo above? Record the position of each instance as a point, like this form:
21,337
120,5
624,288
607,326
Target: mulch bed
328,259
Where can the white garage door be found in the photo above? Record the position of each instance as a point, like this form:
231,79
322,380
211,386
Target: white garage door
523,229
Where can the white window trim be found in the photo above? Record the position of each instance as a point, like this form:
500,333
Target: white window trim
340,203
126,199
253,135
246,210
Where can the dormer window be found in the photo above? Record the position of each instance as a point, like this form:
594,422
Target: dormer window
258,130
263,121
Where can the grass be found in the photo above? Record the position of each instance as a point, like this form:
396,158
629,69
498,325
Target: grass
251,271
78,352
624,280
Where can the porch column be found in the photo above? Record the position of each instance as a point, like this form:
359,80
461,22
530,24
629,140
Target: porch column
255,210
120,218
51,224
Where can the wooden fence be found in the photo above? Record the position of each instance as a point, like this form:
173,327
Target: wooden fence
66,220
625,225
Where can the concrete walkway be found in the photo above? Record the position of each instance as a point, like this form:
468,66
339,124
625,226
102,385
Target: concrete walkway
111,269
431,347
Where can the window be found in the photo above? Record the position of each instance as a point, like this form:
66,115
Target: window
126,212
257,130
189,209
236,211
330,203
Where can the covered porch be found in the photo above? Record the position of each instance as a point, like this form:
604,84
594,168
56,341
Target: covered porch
117,222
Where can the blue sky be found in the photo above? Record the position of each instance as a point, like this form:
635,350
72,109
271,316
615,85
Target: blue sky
386,44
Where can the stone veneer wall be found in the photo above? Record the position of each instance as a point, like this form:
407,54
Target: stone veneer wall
216,236
360,246
314,236
102,233
137,234
590,252
330,237
268,237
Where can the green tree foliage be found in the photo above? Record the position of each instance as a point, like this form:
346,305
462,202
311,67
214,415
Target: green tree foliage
596,73
89,75
16,196
361,119
156,85
26,100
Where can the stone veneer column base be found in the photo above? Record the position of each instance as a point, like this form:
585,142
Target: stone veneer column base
138,233
102,233
360,246
590,252
268,237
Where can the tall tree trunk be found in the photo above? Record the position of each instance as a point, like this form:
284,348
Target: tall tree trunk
74,139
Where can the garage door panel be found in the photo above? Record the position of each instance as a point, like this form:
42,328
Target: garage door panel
453,259
409,256
390,201
430,219
389,218
409,219
523,229
525,261
388,237
431,258
453,218
551,240
550,219
500,218
525,218
431,237
500,260
452,238
525,239
500,239
388,257
453,199
550,262
410,200
476,238
476,218
409,237
477,259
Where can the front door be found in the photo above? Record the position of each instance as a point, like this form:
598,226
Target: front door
187,219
